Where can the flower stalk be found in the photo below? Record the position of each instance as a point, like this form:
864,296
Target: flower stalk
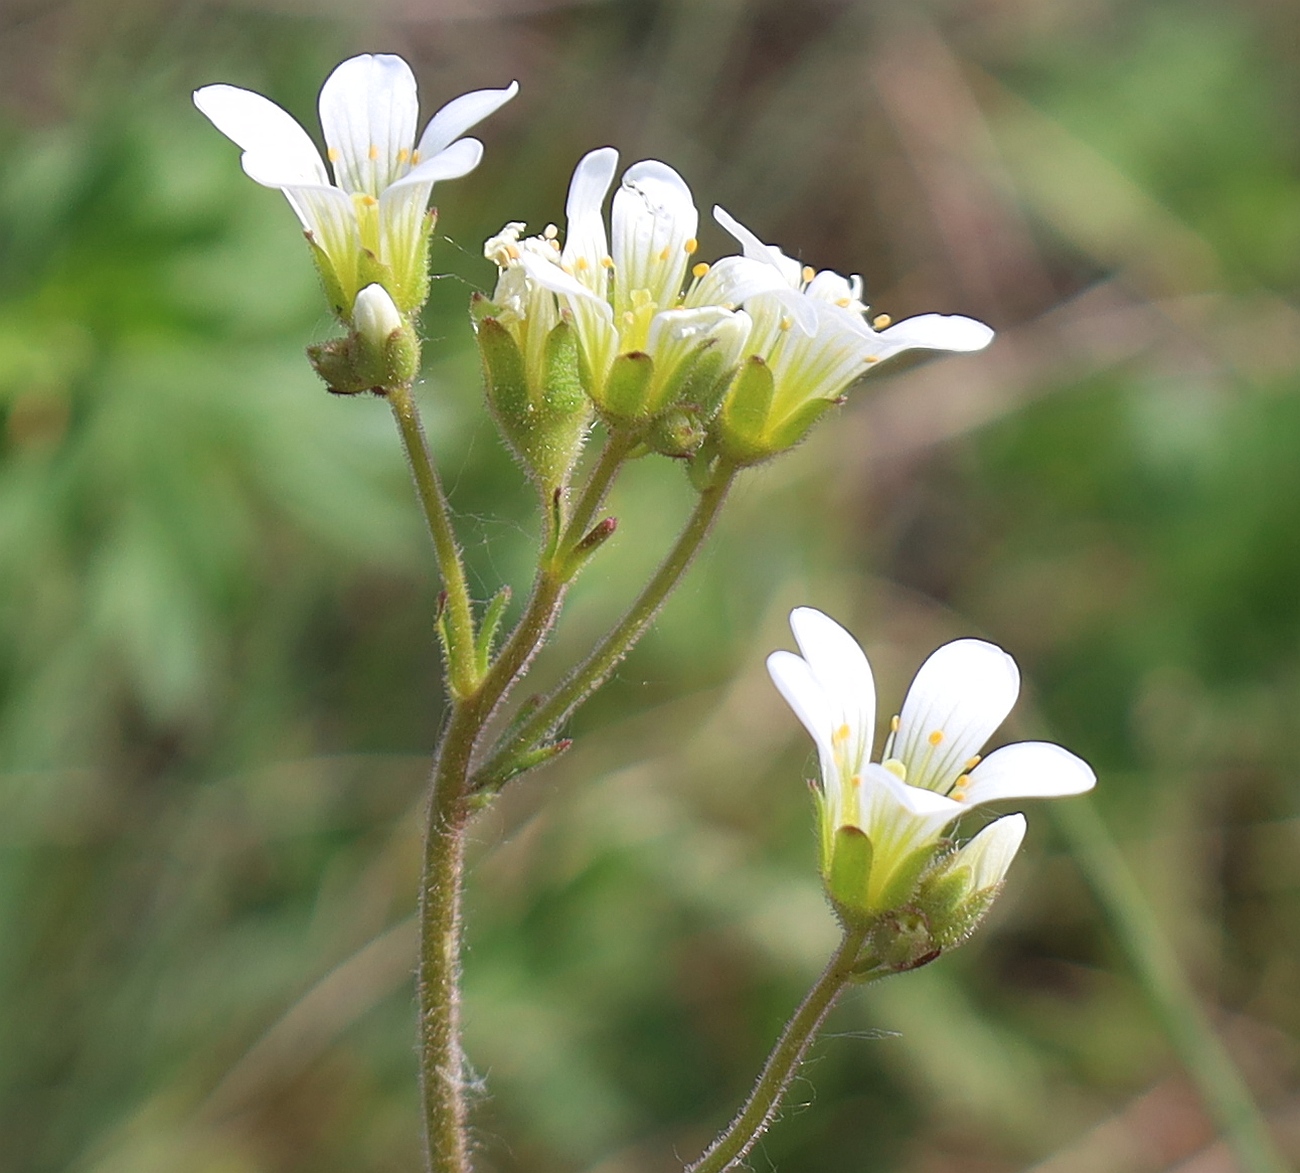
734,1143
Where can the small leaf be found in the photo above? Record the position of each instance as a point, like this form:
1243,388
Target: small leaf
492,615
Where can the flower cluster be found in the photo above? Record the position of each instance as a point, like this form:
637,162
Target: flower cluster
884,853
741,356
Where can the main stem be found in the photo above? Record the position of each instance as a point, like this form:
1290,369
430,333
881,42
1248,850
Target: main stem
433,500
611,650
783,1063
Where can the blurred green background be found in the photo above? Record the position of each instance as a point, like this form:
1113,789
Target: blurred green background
219,687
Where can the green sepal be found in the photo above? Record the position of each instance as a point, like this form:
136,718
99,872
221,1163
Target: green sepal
624,397
742,421
677,432
412,288
798,424
372,271
564,410
505,383
401,359
339,297
695,381
521,765
850,870
492,615
902,881
335,362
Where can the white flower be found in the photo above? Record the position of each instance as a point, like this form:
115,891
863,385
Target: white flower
370,223
623,290
811,332
932,772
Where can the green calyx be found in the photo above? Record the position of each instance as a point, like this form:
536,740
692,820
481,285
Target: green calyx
542,411
750,427
357,363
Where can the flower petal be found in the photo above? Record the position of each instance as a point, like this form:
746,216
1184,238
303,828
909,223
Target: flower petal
790,269
961,694
1028,769
990,853
329,218
899,820
585,245
840,667
733,281
653,218
458,115
804,694
277,151
458,159
368,108
934,332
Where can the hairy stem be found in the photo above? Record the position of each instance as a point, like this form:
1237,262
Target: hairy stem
433,501
611,650
729,1149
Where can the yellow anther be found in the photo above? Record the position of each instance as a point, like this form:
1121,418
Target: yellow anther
403,155
334,154
415,158
893,724
895,767
700,269
786,323
936,738
580,264
808,273
963,780
512,252
880,321
855,781
608,262
871,358
844,302
369,201
566,268
550,232
373,152
970,765
842,734
663,256
958,796
690,246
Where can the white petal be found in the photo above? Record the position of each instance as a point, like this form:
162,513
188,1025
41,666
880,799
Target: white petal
368,108
458,159
961,694
330,218
458,115
899,819
840,667
790,269
550,276
1029,769
733,281
653,217
804,694
990,853
585,245
934,332
277,151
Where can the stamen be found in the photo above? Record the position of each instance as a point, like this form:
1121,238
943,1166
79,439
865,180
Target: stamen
663,256
580,264
334,154
880,321
896,767
844,302
608,262
975,761
700,269
842,734
403,155
369,201
415,158
855,781
893,724
550,232
690,246
871,358
786,323
808,273
936,738
512,252
373,152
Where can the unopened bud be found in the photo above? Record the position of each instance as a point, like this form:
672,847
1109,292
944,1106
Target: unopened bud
375,317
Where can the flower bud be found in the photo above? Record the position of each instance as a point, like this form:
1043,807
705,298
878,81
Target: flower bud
375,317
381,351
958,892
